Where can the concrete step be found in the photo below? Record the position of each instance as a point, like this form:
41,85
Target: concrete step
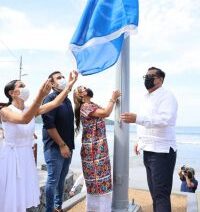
70,203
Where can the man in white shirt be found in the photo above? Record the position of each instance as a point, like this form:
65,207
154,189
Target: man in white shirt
156,137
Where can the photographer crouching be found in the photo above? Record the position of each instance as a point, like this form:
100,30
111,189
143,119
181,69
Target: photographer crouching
189,183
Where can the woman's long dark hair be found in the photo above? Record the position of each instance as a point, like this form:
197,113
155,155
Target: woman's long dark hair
77,106
3,105
9,87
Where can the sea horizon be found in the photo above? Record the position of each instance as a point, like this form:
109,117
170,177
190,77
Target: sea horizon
188,148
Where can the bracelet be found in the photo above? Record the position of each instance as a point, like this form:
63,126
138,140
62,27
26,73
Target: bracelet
62,145
68,90
113,101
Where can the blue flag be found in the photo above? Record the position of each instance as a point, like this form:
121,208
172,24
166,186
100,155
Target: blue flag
97,41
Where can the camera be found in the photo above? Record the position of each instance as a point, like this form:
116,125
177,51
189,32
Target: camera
187,171
183,168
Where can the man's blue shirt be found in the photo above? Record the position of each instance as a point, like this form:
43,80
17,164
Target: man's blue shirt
61,118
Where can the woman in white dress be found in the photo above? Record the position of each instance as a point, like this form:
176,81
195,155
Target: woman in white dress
19,186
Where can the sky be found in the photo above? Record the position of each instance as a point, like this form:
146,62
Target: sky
168,37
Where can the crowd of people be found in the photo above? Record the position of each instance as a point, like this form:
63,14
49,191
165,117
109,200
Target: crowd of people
156,120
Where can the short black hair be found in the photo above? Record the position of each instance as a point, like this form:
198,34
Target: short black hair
159,72
51,75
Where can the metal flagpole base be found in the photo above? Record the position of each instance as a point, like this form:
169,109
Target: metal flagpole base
131,208
134,208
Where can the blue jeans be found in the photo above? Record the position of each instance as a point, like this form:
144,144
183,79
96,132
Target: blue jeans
57,168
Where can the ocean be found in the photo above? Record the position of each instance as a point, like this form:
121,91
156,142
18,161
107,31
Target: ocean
188,142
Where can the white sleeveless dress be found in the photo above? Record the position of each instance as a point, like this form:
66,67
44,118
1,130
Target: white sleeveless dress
19,186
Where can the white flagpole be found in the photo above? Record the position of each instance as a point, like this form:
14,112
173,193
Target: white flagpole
120,201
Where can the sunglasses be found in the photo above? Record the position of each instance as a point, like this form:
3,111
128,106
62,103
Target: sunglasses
148,76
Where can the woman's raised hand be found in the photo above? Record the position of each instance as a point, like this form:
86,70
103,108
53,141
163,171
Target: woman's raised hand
45,88
115,95
73,76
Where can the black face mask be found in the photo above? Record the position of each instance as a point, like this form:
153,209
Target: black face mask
89,92
149,83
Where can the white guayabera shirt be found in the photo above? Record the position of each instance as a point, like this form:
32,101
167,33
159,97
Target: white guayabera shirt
1,142
156,121
1,134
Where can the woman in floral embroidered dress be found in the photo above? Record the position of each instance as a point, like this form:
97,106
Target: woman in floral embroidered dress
94,150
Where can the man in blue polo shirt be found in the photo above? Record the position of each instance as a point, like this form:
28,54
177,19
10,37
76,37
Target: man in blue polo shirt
58,139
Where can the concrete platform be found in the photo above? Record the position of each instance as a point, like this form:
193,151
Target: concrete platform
181,202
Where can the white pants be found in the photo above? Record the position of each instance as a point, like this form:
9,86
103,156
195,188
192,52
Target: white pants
99,203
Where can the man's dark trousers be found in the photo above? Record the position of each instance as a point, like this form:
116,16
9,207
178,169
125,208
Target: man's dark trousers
160,169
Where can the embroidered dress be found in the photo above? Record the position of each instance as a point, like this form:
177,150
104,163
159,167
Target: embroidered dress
19,187
95,159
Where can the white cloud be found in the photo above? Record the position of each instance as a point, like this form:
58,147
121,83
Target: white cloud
168,37
18,31
165,19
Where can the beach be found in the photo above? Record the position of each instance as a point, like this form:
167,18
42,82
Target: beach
142,198
188,145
